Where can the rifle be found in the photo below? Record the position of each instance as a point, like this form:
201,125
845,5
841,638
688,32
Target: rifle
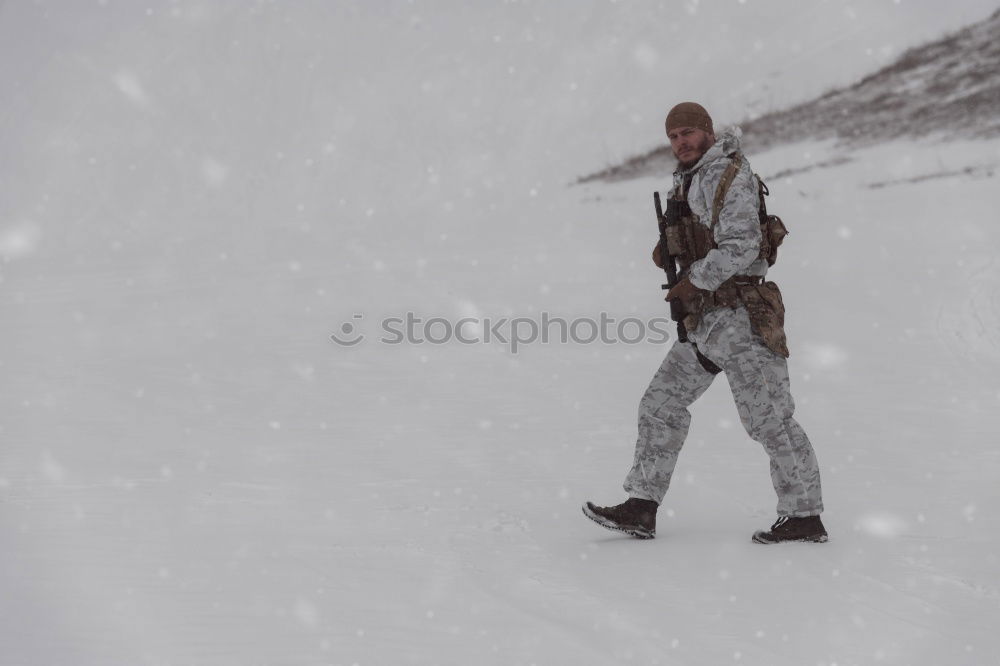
663,221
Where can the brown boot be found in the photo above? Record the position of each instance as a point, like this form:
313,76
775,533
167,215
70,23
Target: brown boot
636,517
789,528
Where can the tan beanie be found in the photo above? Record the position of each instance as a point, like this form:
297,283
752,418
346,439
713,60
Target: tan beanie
689,114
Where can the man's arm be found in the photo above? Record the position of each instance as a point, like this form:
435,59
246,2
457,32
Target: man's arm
737,232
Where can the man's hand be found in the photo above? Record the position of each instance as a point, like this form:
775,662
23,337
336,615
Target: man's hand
657,259
683,290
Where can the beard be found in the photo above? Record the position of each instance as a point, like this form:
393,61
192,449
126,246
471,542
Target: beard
702,148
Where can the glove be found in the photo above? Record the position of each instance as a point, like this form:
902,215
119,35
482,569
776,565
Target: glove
657,259
685,291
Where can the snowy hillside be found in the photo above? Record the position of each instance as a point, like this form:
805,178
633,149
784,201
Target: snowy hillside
946,88
197,196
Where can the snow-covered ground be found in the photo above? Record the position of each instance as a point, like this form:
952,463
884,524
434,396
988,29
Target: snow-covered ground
196,196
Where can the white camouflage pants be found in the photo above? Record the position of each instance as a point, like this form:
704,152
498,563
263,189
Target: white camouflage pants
759,381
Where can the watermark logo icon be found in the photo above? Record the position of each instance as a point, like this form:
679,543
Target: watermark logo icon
349,335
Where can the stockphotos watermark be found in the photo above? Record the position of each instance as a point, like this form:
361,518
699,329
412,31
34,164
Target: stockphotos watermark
513,332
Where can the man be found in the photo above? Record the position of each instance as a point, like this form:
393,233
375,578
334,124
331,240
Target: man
734,325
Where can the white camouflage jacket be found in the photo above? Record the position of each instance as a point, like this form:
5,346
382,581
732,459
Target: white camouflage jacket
737,233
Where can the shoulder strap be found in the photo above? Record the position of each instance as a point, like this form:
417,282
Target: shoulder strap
727,179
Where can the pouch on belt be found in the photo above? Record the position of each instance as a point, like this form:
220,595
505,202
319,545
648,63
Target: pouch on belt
767,314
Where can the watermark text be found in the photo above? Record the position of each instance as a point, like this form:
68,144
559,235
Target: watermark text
512,332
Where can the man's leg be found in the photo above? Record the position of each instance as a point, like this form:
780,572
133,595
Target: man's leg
663,421
759,381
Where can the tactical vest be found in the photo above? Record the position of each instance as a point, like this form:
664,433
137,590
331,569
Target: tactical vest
690,240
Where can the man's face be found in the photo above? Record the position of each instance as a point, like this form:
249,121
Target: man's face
689,144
